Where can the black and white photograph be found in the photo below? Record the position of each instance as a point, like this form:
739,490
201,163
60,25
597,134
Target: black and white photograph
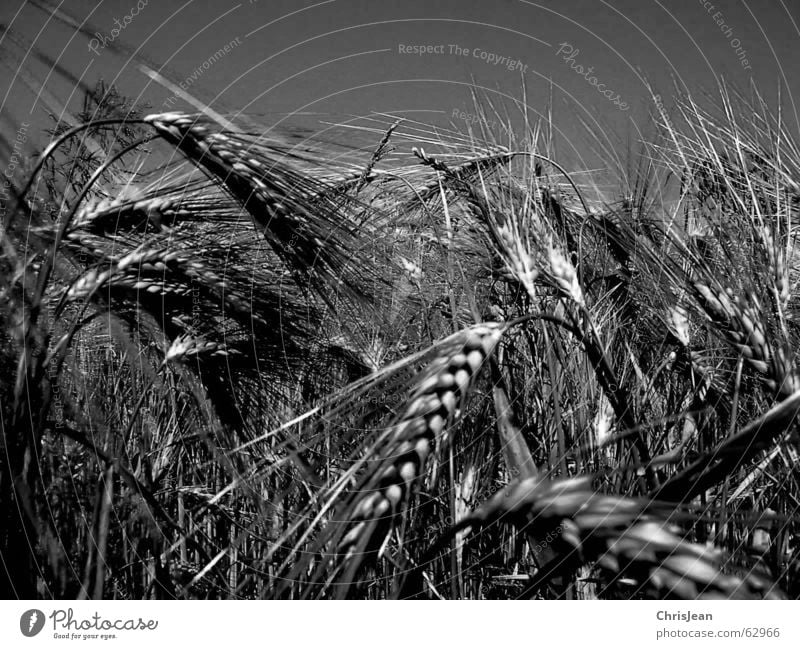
431,300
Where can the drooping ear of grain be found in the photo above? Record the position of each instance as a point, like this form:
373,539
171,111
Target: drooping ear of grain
309,230
401,461
624,538
739,318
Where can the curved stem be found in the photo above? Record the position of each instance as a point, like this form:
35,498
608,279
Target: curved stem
63,138
50,259
544,158
96,175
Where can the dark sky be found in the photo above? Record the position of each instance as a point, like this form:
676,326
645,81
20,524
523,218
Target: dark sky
340,57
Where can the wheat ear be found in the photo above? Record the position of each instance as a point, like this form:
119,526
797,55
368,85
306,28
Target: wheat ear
739,319
306,228
383,496
624,537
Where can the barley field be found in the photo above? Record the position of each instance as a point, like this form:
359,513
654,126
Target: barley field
392,360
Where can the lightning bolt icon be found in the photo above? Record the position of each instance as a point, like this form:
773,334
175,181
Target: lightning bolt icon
32,621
